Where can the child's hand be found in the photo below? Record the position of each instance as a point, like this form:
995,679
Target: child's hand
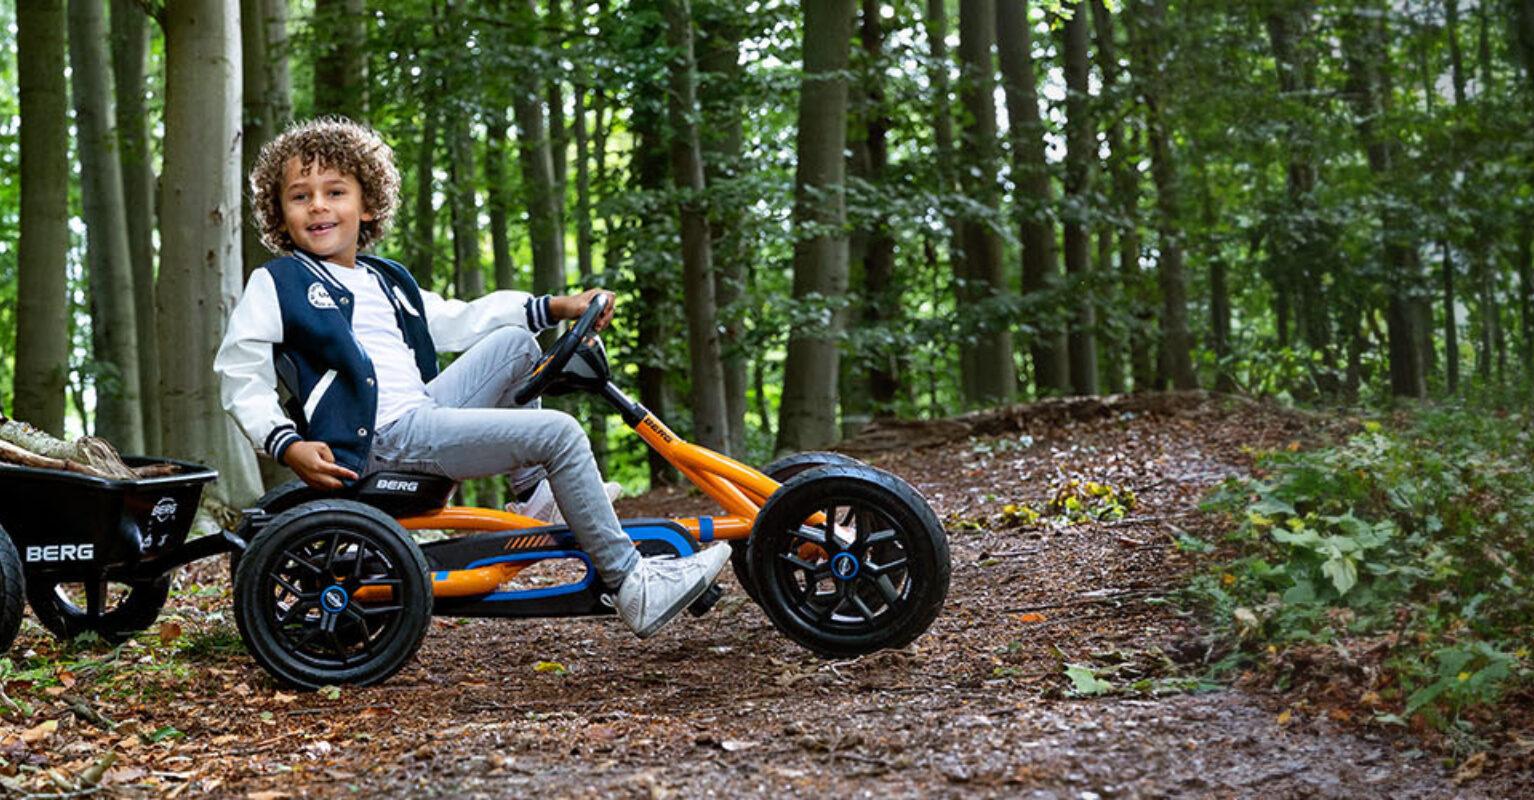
314,462
573,306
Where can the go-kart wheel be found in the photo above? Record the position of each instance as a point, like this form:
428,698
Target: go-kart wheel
12,591
110,609
872,575
332,592
781,470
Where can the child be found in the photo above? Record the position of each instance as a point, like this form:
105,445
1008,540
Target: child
357,341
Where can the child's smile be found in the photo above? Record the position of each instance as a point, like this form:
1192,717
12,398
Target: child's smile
322,210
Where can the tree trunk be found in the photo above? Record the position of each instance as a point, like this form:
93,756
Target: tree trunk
423,242
200,267
496,195
263,52
1033,197
42,311
1176,342
340,59
535,155
1301,247
1526,295
1450,323
114,332
1124,166
655,324
559,141
947,166
710,423
1081,154
1367,55
992,376
130,45
463,205
723,139
807,416
596,421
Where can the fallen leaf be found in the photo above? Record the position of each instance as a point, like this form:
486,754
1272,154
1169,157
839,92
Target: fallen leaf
66,677
550,666
170,631
281,697
269,794
1285,716
736,745
1471,769
41,732
1031,616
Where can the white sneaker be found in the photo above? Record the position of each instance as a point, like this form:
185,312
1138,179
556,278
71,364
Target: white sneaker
541,505
659,588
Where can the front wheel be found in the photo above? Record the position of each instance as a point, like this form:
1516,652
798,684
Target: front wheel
849,560
781,470
332,592
114,611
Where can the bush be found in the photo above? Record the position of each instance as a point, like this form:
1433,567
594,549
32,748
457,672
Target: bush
1418,534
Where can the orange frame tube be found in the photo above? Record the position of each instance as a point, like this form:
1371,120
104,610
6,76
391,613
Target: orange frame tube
739,489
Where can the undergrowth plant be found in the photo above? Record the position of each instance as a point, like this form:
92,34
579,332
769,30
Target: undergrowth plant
1418,536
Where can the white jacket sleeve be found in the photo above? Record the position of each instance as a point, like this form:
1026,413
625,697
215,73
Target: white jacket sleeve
455,325
247,374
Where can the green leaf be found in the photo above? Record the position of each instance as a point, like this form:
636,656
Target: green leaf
1343,571
1085,682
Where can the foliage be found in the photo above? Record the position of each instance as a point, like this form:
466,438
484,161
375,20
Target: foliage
1413,534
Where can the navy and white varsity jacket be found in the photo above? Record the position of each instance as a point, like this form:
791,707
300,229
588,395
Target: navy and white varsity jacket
295,320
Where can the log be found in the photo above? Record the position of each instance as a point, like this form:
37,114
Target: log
20,443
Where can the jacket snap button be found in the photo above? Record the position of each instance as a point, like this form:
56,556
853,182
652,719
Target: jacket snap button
370,381
362,431
345,300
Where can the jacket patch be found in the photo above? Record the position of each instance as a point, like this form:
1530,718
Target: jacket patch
318,297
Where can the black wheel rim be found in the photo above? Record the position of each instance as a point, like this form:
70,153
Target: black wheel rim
101,599
333,598
848,575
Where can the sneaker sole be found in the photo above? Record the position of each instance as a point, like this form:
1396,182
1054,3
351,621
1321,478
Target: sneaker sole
687,599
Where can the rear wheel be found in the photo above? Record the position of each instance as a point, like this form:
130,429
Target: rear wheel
332,592
781,470
12,591
871,573
112,610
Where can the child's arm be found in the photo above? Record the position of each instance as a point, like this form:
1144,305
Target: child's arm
455,325
247,376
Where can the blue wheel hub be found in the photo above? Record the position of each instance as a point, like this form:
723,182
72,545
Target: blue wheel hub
334,599
845,566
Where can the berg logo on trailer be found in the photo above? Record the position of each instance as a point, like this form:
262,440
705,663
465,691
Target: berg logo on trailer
163,510
61,552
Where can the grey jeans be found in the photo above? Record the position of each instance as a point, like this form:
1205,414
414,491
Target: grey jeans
473,429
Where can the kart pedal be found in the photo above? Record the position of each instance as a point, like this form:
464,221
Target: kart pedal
706,600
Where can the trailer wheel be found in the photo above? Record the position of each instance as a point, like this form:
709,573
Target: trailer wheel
114,611
12,591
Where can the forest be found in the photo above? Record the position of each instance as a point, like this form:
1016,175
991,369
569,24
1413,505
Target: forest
1257,275
900,209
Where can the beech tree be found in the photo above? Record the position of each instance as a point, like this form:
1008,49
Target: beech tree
42,316
199,278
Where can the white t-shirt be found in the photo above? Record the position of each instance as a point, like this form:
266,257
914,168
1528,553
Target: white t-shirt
400,388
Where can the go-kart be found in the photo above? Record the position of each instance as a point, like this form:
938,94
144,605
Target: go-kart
331,588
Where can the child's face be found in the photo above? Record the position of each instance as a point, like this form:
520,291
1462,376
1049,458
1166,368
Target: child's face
322,210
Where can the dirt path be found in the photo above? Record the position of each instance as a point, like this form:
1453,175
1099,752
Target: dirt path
725,706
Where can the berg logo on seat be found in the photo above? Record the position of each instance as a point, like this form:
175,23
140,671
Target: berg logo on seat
61,552
389,485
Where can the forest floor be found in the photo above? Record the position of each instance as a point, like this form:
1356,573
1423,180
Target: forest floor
725,706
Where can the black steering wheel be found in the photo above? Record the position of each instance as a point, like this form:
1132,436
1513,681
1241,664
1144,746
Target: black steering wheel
547,370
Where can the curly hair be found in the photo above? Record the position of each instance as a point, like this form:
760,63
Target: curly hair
332,143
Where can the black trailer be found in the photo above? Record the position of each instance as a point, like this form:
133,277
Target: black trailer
96,554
